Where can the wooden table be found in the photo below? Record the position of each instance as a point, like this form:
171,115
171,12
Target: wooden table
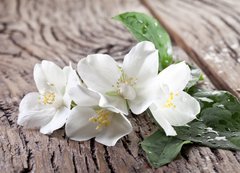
204,32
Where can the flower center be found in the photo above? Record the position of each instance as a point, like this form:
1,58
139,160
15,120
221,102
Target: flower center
48,98
169,103
125,86
127,91
103,118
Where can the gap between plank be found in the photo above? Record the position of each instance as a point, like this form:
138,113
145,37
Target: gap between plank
219,83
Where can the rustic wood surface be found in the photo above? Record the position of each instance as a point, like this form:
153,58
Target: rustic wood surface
209,31
67,30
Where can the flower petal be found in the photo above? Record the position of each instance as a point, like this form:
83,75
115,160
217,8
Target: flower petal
54,74
141,62
72,77
72,81
115,103
160,118
78,126
99,72
58,120
175,76
83,96
119,127
186,110
32,114
147,93
40,78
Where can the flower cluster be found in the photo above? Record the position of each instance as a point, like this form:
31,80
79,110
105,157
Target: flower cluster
94,101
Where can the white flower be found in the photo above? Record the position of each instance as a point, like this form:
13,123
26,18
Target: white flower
49,108
88,120
131,84
174,106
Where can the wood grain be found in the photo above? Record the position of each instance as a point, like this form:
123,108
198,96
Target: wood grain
63,31
209,32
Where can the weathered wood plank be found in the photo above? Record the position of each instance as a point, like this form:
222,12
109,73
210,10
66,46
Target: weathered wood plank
209,32
61,31
65,31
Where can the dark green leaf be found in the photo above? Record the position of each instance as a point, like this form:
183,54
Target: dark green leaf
219,121
220,110
161,149
144,27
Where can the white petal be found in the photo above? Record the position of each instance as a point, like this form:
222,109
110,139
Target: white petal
160,118
99,72
83,96
114,103
127,91
67,100
146,95
54,74
72,77
141,62
72,81
78,126
32,114
40,78
58,120
186,110
119,127
175,76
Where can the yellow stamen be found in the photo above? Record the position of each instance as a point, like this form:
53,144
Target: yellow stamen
169,102
48,98
124,79
102,118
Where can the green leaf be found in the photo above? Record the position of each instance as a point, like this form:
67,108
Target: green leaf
196,77
161,149
144,27
219,121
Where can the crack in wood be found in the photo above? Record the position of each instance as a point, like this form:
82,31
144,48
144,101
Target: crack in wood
87,165
6,109
52,160
107,158
54,34
125,145
42,27
74,163
93,154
